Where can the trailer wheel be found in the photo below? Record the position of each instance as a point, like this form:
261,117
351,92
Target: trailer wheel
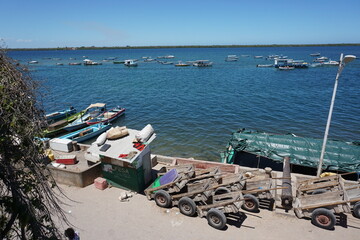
162,199
251,203
187,206
221,190
318,191
356,210
216,218
323,218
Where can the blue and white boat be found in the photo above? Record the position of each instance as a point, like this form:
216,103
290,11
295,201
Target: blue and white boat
60,114
92,111
87,133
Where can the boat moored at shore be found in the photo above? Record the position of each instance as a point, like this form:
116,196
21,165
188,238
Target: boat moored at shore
107,116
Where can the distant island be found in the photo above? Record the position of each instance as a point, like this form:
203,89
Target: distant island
186,46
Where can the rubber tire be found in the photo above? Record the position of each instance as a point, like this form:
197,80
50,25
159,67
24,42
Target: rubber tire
187,206
216,218
221,190
253,203
323,218
318,191
162,199
356,209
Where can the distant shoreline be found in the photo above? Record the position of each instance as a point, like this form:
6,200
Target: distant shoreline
184,46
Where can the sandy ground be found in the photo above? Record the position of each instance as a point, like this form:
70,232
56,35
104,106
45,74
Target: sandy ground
99,214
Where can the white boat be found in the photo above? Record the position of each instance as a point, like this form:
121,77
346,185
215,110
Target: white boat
231,58
92,111
258,57
331,63
265,65
130,63
181,64
88,62
321,59
202,63
287,68
315,54
33,62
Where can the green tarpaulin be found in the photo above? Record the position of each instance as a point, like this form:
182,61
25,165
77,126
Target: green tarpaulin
339,155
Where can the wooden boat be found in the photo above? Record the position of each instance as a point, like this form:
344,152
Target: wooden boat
57,128
107,116
92,111
181,64
58,115
87,132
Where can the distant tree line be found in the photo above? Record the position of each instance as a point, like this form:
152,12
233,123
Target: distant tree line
189,46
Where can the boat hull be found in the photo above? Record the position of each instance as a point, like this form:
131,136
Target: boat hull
113,113
86,133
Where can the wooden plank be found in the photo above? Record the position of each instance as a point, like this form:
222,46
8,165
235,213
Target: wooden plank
322,205
262,190
319,180
327,197
319,185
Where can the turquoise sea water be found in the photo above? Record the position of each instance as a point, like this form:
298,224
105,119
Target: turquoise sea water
194,110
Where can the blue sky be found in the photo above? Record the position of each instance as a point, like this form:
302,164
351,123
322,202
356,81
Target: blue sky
47,23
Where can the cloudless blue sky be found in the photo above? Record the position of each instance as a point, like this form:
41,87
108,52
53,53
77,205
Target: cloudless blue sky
47,23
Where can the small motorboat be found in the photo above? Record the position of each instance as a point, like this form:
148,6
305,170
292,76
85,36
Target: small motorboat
315,54
130,63
107,116
57,127
286,68
321,59
331,63
92,111
87,132
88,62
265,65
202,63
58,115
33,62
231,58
181,64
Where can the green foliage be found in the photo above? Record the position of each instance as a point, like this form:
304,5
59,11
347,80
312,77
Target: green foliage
27,200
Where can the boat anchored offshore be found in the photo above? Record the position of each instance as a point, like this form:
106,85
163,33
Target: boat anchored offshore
130,63
88,62
181,64
202,63
231,58
287,68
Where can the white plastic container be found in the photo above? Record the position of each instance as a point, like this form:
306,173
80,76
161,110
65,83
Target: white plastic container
58,144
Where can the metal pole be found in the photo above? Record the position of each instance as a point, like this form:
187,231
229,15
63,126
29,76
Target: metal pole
341,66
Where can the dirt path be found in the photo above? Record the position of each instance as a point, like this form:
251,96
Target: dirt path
101,215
